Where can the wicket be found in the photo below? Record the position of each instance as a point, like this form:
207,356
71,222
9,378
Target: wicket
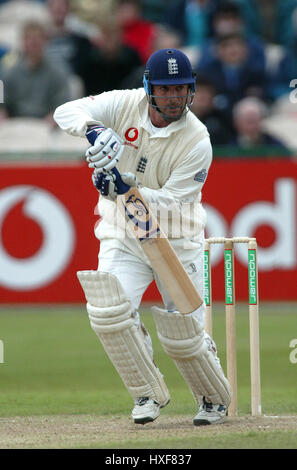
230,313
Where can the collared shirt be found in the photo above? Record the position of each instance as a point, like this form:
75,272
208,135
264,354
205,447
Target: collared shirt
171,164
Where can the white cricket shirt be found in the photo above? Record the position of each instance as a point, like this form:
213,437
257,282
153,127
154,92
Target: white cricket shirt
171,163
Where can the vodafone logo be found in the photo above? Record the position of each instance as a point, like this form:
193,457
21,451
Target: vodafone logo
278,217
53,238
131,135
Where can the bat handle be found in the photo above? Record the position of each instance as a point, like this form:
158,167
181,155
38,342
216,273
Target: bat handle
123,188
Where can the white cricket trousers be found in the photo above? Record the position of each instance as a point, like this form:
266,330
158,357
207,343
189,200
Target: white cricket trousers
135,273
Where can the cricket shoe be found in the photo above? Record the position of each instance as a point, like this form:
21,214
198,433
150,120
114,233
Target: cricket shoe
146,410
209,413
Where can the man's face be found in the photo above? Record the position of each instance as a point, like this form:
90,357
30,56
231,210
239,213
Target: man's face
58,10
227,23
34,43
171,99
248,122
203,100
232,51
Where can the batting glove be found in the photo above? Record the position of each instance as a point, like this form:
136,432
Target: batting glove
113,184
107,149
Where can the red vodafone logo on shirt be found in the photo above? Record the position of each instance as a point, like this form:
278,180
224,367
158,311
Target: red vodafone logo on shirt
131,135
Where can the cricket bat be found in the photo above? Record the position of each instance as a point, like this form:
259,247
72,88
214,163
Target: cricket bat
157,248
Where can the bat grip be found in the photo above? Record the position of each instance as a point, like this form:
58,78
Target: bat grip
122,187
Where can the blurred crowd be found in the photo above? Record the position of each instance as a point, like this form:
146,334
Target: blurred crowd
243,51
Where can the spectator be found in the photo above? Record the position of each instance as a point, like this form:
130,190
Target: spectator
265,27
232,73
227,19
205,108
14,14
252,16
248,115
191,19
284,22
90,12
34,86
165,38
153,10
282,69
112,62
138,33
64,19
280,75
65,46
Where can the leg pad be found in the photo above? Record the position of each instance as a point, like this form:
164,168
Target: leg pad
185,342
112,320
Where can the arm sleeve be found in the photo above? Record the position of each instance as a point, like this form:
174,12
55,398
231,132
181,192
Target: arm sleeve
75,116
186,180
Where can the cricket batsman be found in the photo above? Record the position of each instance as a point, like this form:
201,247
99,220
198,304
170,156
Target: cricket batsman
157,144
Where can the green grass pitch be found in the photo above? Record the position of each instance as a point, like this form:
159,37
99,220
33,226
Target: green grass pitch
54,366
